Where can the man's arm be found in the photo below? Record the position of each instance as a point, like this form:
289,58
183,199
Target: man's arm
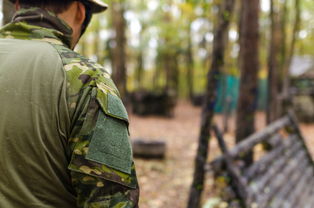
101,163
102,169
100,193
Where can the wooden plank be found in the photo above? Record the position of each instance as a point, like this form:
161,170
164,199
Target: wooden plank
285,200
252,140
269,187
272,196
311,203
274,169
238,182
302,190
312,193
306,197
258,137
282,195
263,164
299,189
275,140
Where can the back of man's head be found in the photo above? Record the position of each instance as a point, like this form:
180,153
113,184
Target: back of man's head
59,6
55,6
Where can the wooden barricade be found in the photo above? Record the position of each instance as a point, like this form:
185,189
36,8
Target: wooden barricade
281,178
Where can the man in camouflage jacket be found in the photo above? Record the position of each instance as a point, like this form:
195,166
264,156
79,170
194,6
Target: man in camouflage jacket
63,128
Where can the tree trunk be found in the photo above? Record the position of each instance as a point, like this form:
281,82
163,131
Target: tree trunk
8,11
249,62
284,19
273,66
172,70
240,22
84,45
214,75
170,59
119,53
295,33
168,70
159,70
175,73
97,42
139,69
140,60
190,65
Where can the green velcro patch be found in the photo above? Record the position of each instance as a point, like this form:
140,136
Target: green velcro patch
116,107
110,144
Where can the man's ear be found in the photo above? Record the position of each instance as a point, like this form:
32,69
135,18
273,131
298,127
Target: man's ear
80,13
17,5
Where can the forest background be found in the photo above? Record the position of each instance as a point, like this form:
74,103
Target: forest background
168,46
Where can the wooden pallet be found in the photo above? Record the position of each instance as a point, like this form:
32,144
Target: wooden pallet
282,178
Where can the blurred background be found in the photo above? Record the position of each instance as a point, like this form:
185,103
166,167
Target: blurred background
170,57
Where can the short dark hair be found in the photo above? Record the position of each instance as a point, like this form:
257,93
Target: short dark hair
55,6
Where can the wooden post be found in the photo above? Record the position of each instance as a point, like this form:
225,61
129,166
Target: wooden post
239,183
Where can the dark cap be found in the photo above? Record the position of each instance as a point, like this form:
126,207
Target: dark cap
96,6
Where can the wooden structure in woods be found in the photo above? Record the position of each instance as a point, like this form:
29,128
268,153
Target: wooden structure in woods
301,92
149,149
282,177
197,99
303,84
147,103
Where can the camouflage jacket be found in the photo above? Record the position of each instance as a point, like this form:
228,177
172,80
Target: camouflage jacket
75,149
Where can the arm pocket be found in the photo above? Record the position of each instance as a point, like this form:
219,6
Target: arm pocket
106,151
110,144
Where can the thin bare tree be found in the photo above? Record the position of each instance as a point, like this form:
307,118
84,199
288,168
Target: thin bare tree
119,73
291,50
249,64
213,77
273,102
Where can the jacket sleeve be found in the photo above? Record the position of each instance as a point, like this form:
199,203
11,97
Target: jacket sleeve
101,165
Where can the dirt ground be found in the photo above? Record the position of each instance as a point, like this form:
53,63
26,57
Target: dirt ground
165,183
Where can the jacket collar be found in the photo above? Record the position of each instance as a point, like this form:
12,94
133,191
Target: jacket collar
39,24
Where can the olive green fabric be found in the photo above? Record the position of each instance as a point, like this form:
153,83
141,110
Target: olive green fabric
115,108
34,126
110,144
52,101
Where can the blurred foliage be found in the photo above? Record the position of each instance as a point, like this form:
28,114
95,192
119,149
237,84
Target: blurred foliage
159,29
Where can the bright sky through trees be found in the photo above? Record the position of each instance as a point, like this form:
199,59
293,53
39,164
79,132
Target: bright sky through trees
1,15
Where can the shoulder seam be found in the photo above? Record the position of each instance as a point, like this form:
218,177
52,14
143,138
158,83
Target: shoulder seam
57,51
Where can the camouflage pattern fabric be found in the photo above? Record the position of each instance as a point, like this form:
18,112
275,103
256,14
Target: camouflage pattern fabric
90,93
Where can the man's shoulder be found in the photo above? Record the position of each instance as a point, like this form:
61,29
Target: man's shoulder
37,55
83,72
29,48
